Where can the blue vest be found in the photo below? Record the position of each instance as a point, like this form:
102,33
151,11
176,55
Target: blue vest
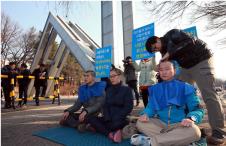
167,93
86,92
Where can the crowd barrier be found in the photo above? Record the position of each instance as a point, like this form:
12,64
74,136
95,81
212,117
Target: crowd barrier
56,93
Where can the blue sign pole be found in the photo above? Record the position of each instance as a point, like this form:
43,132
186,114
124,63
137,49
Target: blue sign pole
103,62
139,38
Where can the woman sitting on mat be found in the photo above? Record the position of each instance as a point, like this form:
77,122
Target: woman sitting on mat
118,104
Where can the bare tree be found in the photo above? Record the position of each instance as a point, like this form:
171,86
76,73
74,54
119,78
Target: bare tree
27,46
9,34
68,8
66,5
16,45
213,11
72,68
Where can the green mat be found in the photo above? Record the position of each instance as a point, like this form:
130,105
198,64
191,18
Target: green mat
71,137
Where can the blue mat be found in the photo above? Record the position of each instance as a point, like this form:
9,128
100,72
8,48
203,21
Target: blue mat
71,137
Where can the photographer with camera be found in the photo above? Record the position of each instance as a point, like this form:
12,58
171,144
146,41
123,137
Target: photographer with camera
130,76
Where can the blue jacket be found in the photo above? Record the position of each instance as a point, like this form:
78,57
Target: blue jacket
174,97
91,98
86,92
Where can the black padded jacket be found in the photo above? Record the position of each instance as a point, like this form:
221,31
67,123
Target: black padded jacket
186,50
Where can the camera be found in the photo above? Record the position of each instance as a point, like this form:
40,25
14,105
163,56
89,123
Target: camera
127,60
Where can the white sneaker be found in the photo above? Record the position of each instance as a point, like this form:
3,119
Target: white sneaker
140,140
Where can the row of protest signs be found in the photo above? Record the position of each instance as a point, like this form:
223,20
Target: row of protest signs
139,37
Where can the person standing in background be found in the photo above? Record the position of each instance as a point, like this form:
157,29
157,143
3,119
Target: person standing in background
130,76
23,84
11,71
147,76
40,72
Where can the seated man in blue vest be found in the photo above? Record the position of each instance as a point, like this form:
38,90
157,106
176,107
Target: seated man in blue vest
172,112
91,97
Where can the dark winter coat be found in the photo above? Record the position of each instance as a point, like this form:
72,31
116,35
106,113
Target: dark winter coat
118,103
185,49
40,82
130,73
7,70
25,80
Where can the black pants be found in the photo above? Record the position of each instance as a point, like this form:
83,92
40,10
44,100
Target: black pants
71,121
23,93
144,94
37,92
6,92
105,127
133,84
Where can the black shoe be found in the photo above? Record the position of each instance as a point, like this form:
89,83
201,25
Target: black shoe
217,137
214,140
37,103
221,131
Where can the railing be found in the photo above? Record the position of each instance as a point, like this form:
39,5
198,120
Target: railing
12,91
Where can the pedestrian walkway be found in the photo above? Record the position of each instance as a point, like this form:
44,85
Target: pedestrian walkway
18,125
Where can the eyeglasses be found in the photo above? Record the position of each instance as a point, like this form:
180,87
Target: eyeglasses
112,76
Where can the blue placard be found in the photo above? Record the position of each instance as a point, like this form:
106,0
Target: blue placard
103,62
139,38
191,31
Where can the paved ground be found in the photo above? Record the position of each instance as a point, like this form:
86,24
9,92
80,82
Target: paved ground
18,125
